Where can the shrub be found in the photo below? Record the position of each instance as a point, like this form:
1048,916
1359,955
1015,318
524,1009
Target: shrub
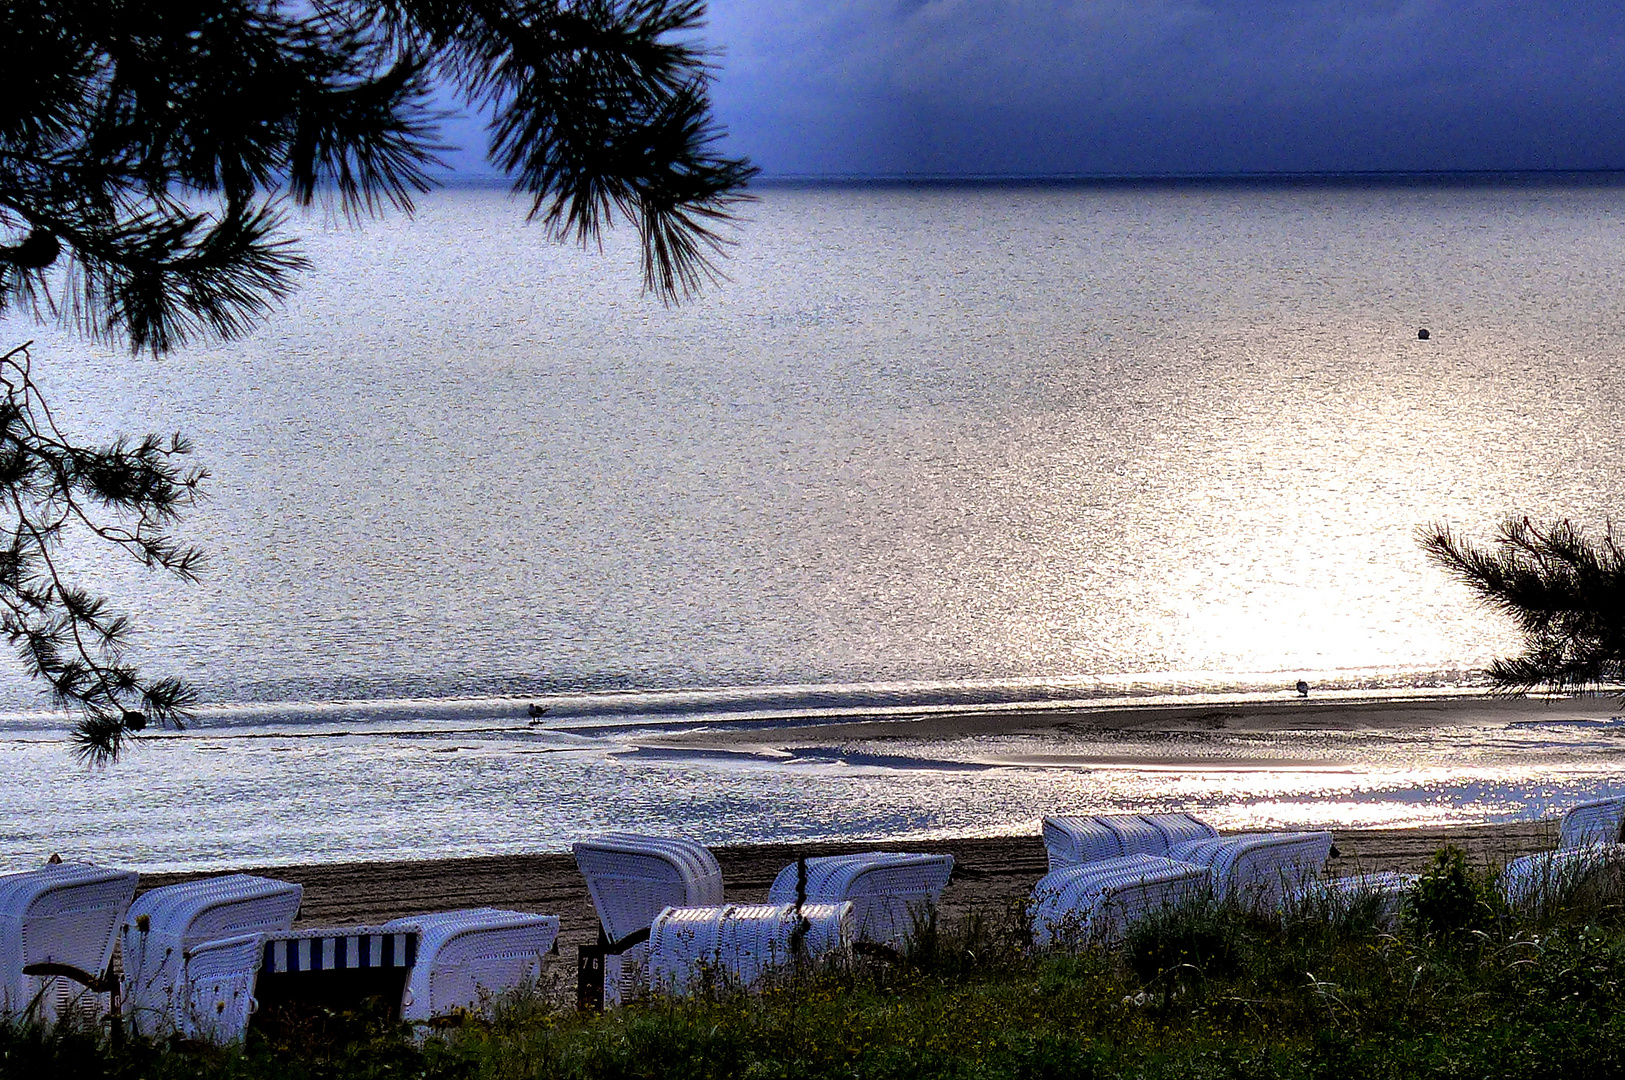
1449,901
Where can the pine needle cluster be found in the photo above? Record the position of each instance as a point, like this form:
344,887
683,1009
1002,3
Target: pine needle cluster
1566,591
127,495
150,152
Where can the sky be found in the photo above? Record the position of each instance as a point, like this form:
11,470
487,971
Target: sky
844,88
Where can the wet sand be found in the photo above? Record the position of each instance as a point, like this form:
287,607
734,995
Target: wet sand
990,874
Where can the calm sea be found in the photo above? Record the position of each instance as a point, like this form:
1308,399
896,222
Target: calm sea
925,447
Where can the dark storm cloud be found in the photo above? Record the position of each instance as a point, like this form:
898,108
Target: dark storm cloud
1158,86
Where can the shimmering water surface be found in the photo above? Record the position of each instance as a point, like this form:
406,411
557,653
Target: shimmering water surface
930,447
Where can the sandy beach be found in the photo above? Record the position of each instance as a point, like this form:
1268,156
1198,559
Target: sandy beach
989,874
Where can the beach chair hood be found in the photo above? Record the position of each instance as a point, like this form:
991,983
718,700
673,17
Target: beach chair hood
164,923
67,914
734,946
1098,901
1260,870
468,959
889,891
634,878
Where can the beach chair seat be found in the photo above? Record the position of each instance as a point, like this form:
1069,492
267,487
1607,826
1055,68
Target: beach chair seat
1593,823
214,995
634,878
1545,875
467,959
68,915
1260,870
889,891
1072,841
734,946
1098,901
163,923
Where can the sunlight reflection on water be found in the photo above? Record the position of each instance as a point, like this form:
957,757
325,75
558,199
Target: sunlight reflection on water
920,435
291,796
1084,441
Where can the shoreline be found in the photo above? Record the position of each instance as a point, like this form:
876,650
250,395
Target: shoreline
1416,764
990,874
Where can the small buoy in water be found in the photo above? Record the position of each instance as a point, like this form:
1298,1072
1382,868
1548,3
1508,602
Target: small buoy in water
1422,334
1303,688
537,710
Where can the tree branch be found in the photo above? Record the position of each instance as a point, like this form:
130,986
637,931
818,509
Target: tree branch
1565,590
64,634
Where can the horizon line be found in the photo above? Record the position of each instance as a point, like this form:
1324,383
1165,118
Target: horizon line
1608,176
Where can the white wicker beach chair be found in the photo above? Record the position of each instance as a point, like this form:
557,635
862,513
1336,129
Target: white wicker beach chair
1098,901
216,989
889,891
1592,823
1072,841
1588,839
66,914
1137,835
467,959
1548,875
163,923
634,878
1260,870
733,946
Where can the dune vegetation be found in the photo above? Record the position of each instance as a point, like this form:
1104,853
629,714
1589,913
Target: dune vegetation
1460,984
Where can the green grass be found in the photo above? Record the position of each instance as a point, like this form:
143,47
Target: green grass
1463,987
